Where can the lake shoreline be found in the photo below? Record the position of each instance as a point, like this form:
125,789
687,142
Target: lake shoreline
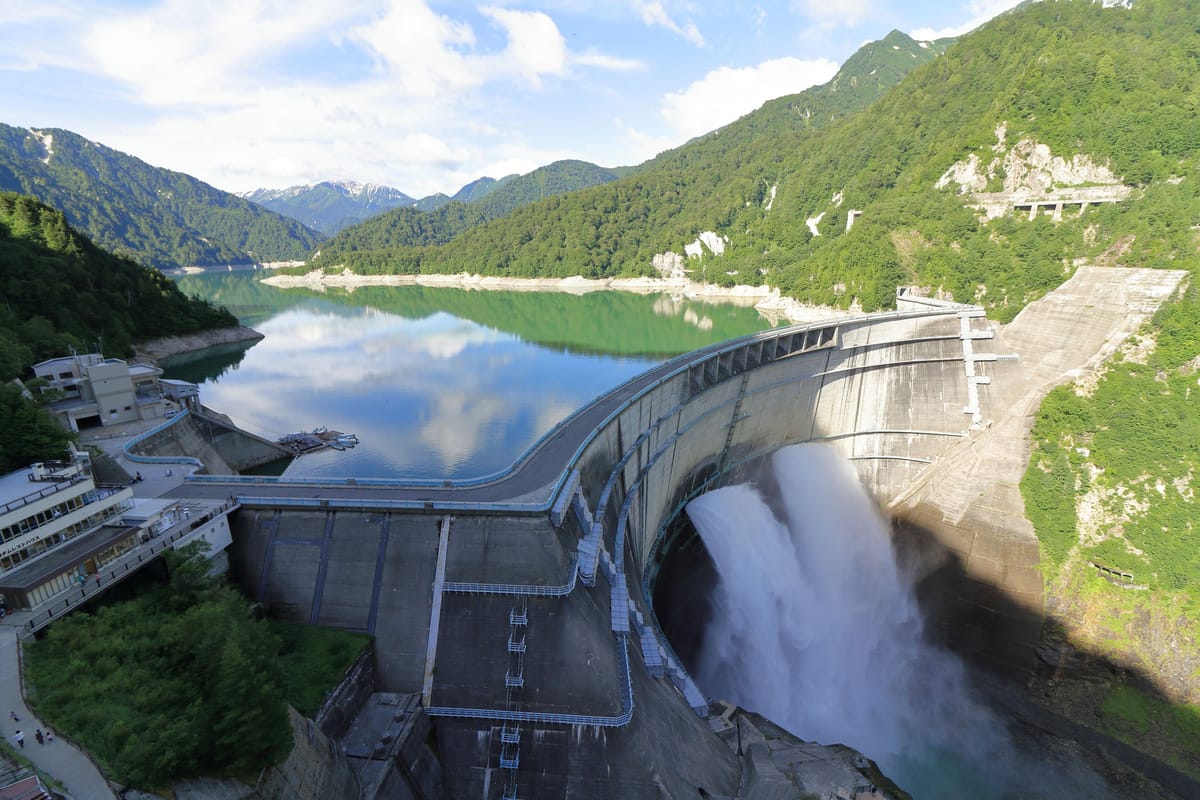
156,350
768,301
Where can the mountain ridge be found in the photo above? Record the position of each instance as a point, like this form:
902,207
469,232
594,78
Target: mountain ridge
329,206
159,217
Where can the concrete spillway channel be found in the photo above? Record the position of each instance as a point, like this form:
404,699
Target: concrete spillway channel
570,540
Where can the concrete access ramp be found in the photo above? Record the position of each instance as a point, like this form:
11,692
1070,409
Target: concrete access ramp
518,604
222,447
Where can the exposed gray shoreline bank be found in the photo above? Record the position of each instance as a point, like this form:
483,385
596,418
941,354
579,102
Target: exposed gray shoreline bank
767,300
155,350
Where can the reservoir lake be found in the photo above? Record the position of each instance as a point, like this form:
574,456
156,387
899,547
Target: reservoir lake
435,382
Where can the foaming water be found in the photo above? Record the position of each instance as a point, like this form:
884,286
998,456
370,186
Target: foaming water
815,627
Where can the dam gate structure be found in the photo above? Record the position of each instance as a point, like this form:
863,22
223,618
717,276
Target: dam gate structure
518,605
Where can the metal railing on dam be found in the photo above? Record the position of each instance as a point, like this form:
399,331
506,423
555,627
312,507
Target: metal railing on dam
551,718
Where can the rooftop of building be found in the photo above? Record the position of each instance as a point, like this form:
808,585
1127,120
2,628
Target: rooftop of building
83,360
136,369
140,370
24,485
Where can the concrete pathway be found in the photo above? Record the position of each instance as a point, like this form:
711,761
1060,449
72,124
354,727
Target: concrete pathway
61,761
157,479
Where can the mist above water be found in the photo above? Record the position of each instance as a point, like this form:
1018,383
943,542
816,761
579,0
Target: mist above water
815,627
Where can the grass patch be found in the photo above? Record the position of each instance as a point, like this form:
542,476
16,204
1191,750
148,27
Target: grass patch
1127,708
314,661
1169,731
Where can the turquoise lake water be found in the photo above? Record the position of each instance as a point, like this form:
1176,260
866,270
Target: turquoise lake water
436,383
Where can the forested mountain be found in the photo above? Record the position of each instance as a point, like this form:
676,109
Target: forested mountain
479,189
329,206
658,206
61,291
155,216
476,203
433,202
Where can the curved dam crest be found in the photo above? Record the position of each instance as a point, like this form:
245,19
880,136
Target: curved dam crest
569,539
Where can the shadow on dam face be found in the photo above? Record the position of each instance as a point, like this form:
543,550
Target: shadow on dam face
1011,666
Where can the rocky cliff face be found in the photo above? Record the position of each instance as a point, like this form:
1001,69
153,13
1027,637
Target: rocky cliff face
1030,167
1029,170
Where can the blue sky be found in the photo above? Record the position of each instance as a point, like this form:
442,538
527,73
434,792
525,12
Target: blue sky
422,95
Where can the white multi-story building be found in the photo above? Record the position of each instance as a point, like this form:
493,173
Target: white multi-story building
53,530
101,391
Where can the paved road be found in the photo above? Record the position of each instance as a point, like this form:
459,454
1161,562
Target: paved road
59,759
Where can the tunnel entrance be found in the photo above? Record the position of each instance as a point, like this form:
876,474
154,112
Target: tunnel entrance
682,589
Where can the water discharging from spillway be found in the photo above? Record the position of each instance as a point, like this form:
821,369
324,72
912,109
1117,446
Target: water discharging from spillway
815,627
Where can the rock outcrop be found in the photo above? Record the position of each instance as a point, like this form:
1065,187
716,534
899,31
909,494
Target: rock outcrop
1031,177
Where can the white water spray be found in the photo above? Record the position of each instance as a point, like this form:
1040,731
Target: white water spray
815,628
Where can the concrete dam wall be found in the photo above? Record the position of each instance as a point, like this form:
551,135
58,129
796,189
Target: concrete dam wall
508,618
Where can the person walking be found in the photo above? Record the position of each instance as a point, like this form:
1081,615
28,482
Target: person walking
49,736
19,738
14,716
38,735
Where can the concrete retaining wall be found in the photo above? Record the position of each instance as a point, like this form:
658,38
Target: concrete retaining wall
224,449
342,704
314,770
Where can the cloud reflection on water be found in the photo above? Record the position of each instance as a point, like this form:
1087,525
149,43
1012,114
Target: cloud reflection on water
434,397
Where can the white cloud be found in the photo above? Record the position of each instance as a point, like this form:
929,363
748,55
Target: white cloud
535,46
652,12
182,52
835,13
424,53
26,13
219,96
981,11
642,146
727,93
592,58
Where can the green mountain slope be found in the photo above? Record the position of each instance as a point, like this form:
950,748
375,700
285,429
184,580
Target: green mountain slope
155,216
61,291
477,203
660,205
479,189
329,206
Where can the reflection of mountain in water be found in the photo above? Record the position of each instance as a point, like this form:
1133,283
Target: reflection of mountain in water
250,301
605,322
207,364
